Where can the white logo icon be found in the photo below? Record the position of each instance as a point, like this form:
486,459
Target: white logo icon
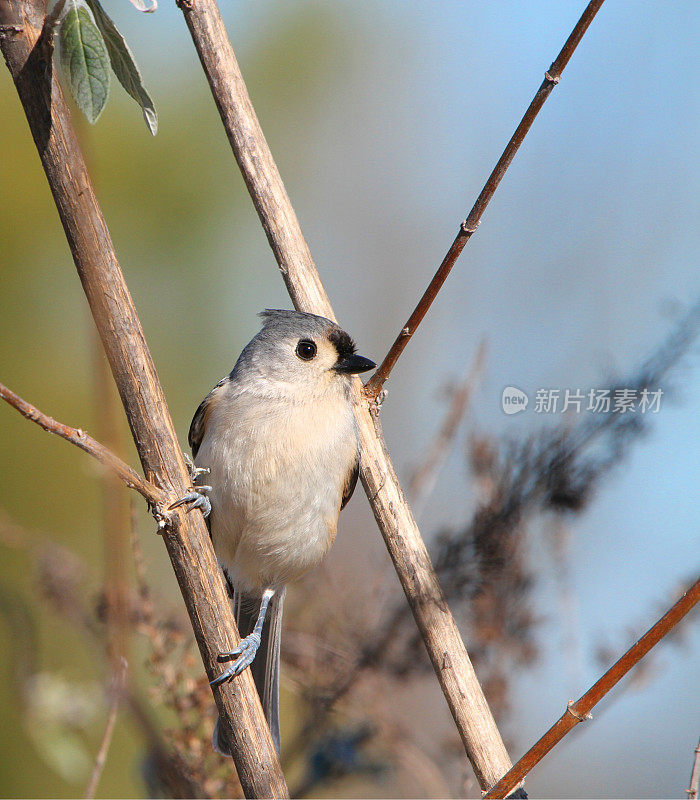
513,400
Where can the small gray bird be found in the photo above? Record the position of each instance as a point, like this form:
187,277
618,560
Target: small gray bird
279,440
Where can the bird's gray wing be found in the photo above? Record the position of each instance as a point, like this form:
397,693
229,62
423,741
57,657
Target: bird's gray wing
199,421
350,482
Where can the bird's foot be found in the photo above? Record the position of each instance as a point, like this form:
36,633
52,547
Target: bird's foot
195,499
195,472
243,655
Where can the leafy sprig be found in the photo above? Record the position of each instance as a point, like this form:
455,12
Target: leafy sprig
89,44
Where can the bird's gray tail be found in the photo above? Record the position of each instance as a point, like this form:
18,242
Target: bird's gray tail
266,666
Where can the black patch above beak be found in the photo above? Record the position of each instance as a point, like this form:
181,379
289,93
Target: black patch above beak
353,364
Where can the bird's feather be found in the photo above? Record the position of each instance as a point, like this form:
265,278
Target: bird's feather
350,483
199,420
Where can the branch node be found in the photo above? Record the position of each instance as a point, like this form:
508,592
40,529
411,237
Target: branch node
553,79
466,229
574,713
8,31
375,400
164,515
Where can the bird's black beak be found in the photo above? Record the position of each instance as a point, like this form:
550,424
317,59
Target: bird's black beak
353,364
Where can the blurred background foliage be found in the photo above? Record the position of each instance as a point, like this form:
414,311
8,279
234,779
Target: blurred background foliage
385,120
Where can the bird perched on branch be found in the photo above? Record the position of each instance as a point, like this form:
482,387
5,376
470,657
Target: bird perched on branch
279,441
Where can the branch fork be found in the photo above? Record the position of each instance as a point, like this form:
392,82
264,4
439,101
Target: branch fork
164,513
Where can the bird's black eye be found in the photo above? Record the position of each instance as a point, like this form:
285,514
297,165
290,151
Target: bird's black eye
306,349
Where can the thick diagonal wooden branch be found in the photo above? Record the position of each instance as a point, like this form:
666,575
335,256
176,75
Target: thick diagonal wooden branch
453,668
28,57
469,226
580,710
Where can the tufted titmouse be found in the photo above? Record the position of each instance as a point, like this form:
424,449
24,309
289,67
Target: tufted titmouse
279,440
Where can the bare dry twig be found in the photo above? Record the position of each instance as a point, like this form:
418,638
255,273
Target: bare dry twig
84,441
473,718
580,710
469,226
117,693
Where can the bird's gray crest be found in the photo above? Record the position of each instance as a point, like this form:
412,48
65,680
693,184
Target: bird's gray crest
299,323
284,322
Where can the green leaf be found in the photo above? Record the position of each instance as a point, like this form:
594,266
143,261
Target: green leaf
84,59
124,65
149,7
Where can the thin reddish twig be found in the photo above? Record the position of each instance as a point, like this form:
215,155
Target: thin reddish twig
692,790
84,441
580,710
469,226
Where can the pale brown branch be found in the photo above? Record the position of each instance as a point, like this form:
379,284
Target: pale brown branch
469,226
117,694
692,790
472,716
84,441
23,41
580,710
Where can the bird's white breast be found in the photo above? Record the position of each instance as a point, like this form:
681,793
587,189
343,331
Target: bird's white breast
278,470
